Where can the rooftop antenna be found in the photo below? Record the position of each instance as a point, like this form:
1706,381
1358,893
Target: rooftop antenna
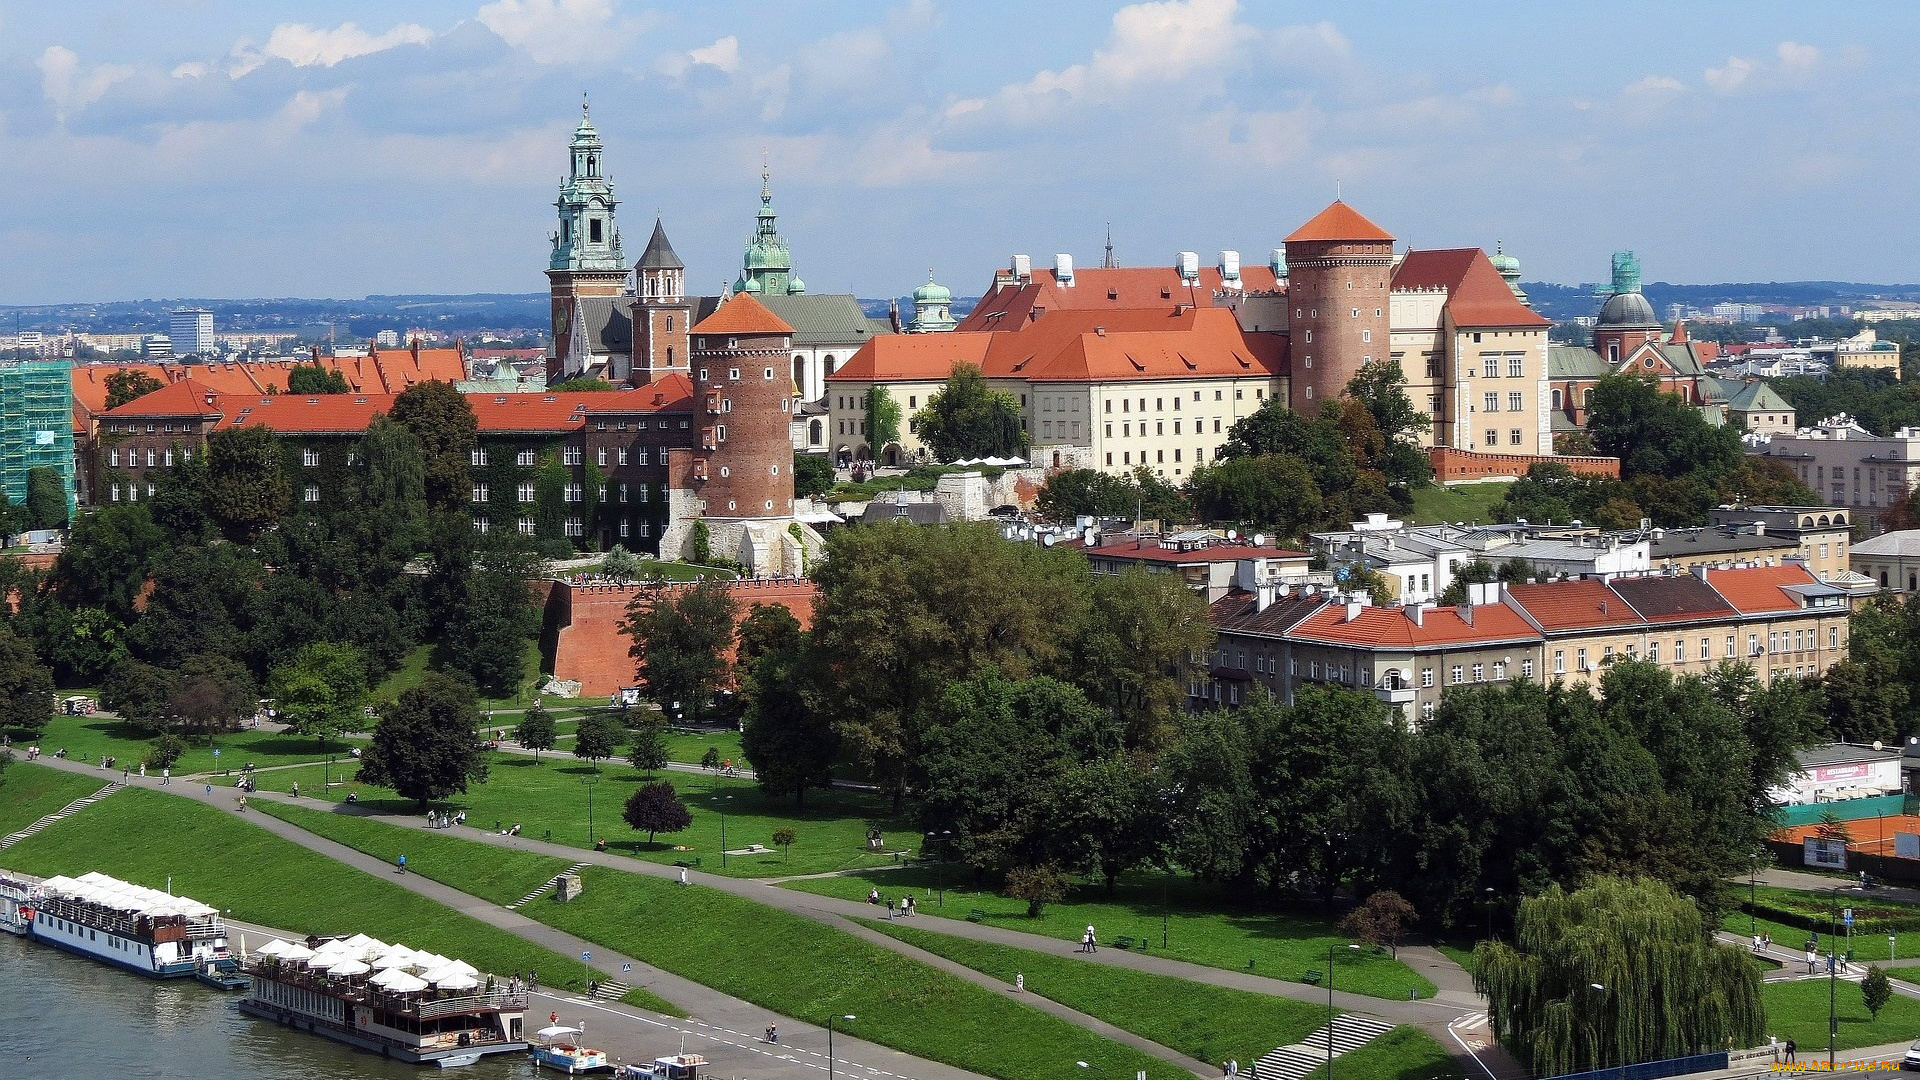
1108,261
1336,191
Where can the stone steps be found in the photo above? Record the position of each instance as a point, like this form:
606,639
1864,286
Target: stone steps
546,888
66,811
1297,1061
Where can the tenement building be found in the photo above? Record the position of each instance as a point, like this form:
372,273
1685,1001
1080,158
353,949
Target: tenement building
1849,466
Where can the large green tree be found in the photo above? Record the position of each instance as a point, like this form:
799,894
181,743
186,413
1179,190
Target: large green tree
812,475
129,384
427,743
967,418
1381,389
598,736
441,420
681,640
105,560
1071,493
46,498
1141,634
883,418
26,687
315,379
1274,491
211,694
1620,971
656,808
536,730
247,486
790,743
322,691
483,600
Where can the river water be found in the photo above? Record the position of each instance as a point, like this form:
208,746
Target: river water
64,1017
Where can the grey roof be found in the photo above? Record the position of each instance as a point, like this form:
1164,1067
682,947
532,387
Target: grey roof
1680,543
920,513
1905,543
1757,397
818,319
1575,362
1840,754
1627,309
659,254
1681,358
609,327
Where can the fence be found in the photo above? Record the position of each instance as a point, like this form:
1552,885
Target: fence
1652,1070
1845,810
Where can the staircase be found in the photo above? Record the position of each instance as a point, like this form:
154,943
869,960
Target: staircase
1298,1061
544,889
66,811
610,990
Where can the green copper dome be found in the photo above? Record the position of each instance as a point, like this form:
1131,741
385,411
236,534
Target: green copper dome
796,287
932,292
747,284
1503,262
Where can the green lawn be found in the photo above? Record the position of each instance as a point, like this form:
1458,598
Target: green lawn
502,876
88,738
1868,947
420,657
792,966
30,792
1798,1011
1434,504
407,676
218,858
551,797
1405,1053
1205,926
1459,954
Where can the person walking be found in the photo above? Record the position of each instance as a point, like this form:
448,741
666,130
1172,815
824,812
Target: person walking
403,863
1019,983
166,777
143,770
1093,943
1233,1068
1793,1051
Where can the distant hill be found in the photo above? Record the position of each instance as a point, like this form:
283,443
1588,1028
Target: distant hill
1563,302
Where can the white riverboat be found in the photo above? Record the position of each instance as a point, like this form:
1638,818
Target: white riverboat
560,1049
16,901
129,926
677,1067
390,1000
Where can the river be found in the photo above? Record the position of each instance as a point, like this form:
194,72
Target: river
64,1017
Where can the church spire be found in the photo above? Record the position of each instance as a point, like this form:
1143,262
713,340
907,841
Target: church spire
768,266
587,238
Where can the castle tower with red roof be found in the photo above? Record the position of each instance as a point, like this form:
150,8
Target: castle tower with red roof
1339,267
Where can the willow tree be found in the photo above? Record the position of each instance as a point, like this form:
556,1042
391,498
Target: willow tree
1619,971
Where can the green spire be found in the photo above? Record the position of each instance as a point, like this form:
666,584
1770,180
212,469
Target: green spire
587,238
768,266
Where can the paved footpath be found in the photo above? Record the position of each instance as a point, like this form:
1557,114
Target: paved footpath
1455,1016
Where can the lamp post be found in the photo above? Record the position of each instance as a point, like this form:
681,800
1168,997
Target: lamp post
1164,878
1753,893
843,1016
722,801
1619,1045
1330,1013
944,838
1833,974
590,781
1487,906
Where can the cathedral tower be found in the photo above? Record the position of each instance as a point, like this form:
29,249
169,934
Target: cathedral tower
768,266
586,260
1338,265
660,311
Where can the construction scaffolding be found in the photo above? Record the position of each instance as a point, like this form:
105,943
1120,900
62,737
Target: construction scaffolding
36,425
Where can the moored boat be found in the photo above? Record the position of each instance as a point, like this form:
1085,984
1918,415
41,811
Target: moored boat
677,1067
560,1049
129,926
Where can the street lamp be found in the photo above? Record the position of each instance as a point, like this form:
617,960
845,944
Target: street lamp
590,781
1487,905
1833,973
1330,1013
943,838
1753,893
722,801
843,1016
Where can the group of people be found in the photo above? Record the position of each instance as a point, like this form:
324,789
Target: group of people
902,907
1762,942
1088,942
513,831
436,819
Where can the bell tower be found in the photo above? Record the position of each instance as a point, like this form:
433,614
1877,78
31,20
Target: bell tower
586,259
660,311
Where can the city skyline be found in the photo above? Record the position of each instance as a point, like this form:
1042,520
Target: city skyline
273,150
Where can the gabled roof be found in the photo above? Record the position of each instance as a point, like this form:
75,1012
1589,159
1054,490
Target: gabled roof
1110,289
1240,612
1338,222
382,371
1392,628
1757,397
742,314
1573,605
817,318
1575,362
1476,293
1904,543
1758,590
1667,599
608,323
659,254
349,414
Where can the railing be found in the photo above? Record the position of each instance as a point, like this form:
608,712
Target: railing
500,999
1653,1070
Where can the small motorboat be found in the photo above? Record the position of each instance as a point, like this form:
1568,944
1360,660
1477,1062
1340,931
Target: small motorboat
677,1067
559,1049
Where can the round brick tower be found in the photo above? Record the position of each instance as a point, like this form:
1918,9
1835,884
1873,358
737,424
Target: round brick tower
1339,270
743,406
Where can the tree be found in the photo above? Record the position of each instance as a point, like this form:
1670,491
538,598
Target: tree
656,808
105,560
1381,388
1038,886
1875,991
182,501
883,418
440,418
322,691
46,498
427,743
581,384
621,564
315,379
710,759
1382,919
1132,655
766,629
812,475
1108,817
681,637
1273,490
966,418
165,751
783,838
1618,971
1073,493
129,384
13,520
648,751
139,693
212,693
790,743
536,730
487,611
247,489
387,524
26,686
598,736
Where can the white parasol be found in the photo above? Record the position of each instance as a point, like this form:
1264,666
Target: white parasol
455,980
349,967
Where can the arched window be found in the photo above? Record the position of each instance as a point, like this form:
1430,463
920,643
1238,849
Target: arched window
816,433
1556,401
592,164
832,365
669,356
800,374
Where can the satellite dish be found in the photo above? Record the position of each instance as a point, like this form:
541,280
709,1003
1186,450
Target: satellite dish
1093,537
1877,746
1048,542
1259,539
1232,535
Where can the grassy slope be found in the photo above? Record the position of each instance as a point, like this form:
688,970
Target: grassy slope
1468,502
87,738
30,792
1205,926
1798,1011
551,796
502,877
797,967
219,859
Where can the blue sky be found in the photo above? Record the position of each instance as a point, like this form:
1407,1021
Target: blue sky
177,148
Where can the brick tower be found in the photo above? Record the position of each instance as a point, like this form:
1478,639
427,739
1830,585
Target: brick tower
1339,267
660,311
586,260
743,404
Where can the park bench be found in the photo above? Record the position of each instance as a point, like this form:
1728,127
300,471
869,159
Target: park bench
690,864
1124,942
976,915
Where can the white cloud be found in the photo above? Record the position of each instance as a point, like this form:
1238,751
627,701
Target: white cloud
68,87
1656,84
1797,57
563,31
723,54
1731,76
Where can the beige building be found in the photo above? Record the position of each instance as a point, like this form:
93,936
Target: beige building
1818,536
1849,466
1891,559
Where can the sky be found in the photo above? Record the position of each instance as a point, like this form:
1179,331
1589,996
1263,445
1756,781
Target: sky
185,148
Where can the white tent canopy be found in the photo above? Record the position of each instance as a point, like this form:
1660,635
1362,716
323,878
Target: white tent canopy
455,981
349,967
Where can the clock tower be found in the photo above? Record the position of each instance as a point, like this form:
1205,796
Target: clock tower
586,259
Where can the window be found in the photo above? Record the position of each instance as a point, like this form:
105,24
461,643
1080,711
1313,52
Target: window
568,455
149,459
1490,403
1526,668
1426,676
726,470
1706,648
1366,335
1459,675
1513,437
1515,366
525,525
623,530
312,493
1833,637
733,374
309,457
640,456
600,456
479,493
113,459
573,527
623,493
478,456
1479,673
1580,659
166,458
526,492
643,493
1653,652
524,459
1499,670
1493,437
573,493
621,456
1729,646
1515,401
1557,406
1490,366
1559,662
720,432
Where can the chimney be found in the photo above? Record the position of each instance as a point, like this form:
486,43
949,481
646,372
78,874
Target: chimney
1353,609
1759,528
1063,270
1465,611
1230,269
416,350
1416,613
1700,571
1263,597
1022,269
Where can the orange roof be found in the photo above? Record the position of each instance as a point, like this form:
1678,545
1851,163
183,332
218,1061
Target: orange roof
322,414
381,372
742,315
1574,605
188,397
1338,222
1113,289
1081,346
336,414
1476,293
1392,628
1756,590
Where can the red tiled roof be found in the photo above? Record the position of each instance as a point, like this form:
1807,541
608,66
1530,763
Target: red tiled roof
1476,293
188,397
1574,605
1113,289
1144,551
293,414
742,315
1757,590
381,372
1338,222
335,414
1392,628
